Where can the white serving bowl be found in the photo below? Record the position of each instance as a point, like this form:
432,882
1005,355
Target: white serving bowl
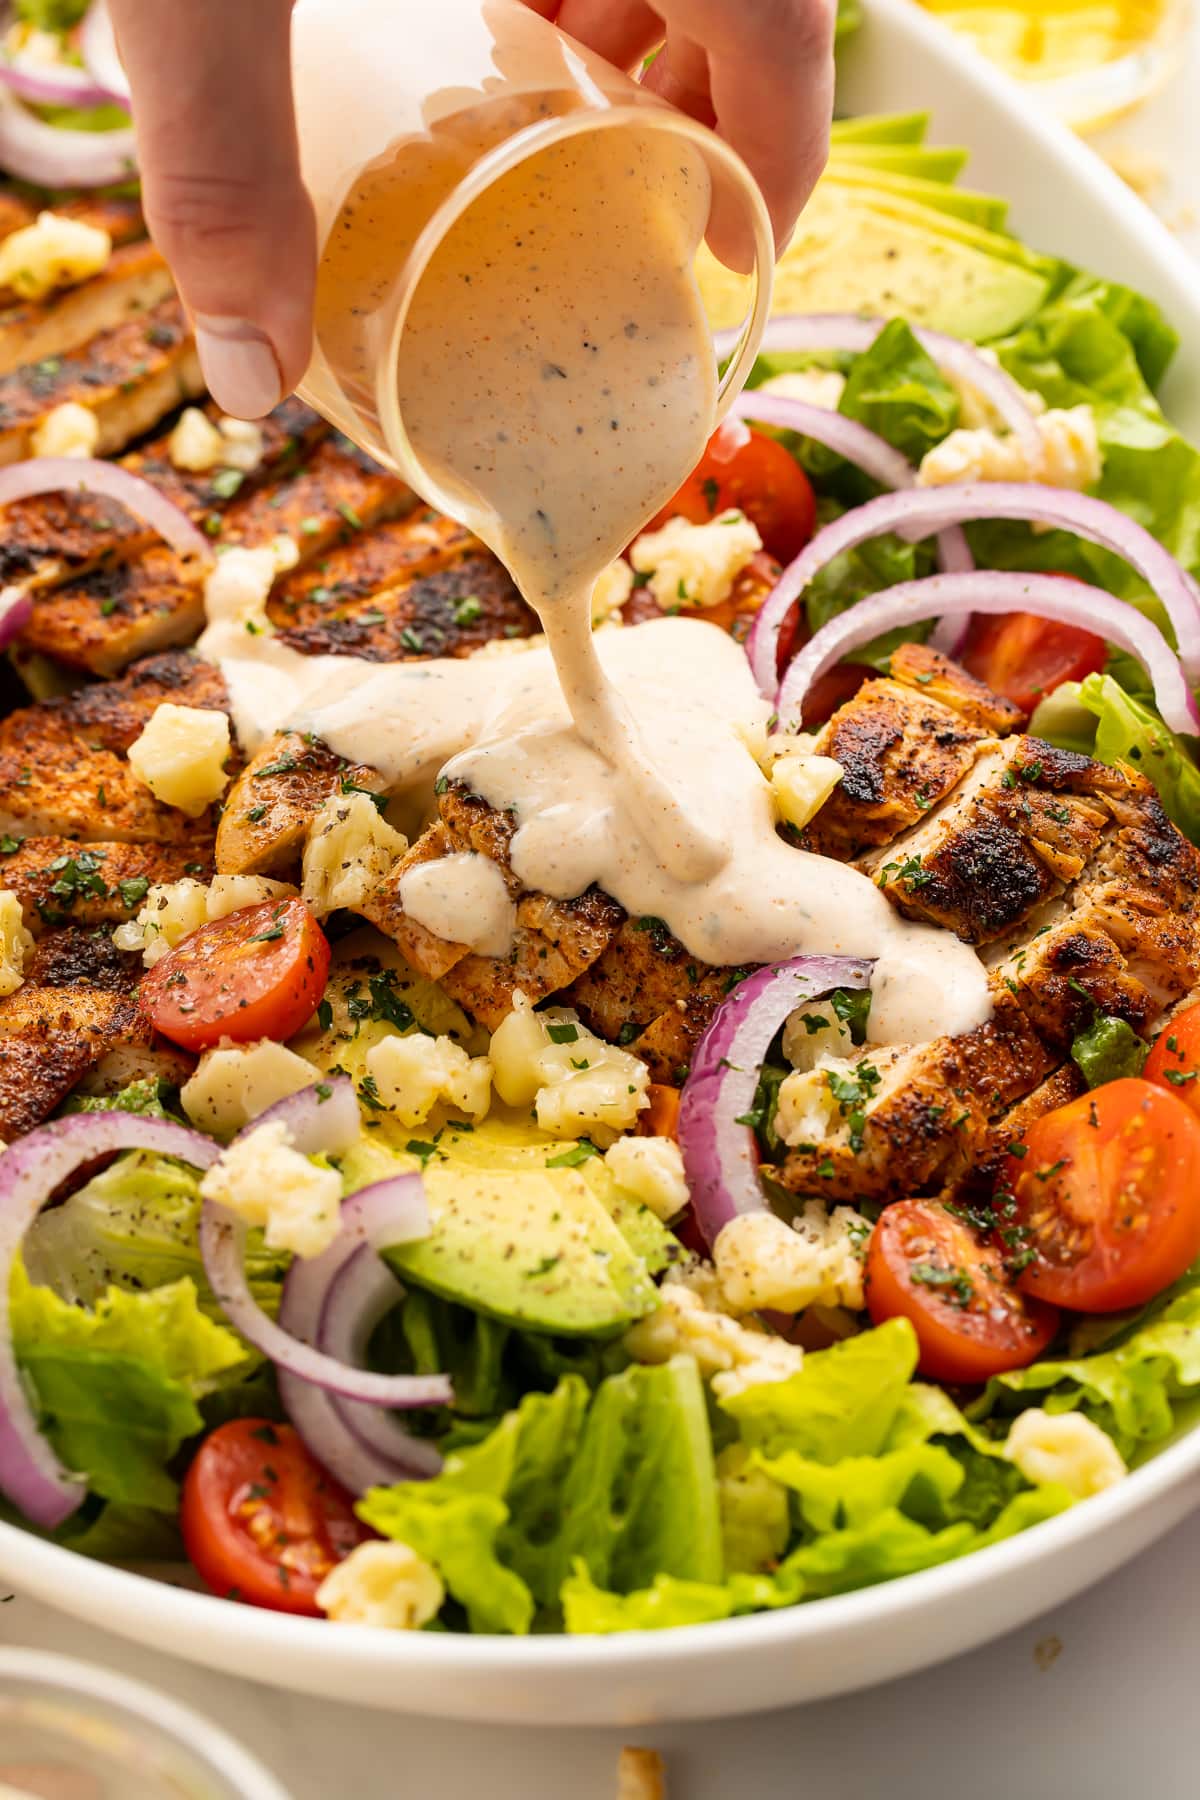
1067,201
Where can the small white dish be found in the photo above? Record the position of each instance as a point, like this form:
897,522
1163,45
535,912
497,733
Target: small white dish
1065,200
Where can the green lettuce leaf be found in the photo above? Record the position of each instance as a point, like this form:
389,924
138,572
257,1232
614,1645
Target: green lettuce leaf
898,392
920,1481
1128,1388
622,1480
1109,1050
116,1387
589,1609
842,1402
134,1226
1102,719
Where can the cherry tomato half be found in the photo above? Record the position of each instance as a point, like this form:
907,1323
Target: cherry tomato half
744,469
1105,1198
1174,1062
1025,657
257,973
925,1265
261,1521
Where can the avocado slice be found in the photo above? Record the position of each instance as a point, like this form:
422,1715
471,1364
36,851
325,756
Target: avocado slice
534,1248
882,128
931,163
984,210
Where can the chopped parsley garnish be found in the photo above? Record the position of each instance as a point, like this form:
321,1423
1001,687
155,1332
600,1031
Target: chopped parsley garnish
226,482
133,889
571,1159
956,1284
378,801
468,609
566,1033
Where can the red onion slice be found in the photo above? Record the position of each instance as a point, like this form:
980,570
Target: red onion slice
965,365
864,448
16,610
996,591
63,474
388,1212
55,156
334,1302
30,1170
98,47
926,511
55,85
321,1120
720,1156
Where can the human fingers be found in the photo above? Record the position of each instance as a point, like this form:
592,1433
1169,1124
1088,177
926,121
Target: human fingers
212,103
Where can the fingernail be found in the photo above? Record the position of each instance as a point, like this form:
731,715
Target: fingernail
239,365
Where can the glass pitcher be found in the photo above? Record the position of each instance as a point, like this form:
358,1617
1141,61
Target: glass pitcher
407,113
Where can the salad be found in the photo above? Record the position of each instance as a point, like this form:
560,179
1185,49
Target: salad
587,1287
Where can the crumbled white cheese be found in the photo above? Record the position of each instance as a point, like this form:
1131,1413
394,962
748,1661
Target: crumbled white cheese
180,756
197,445
384,1584
67,430
976,410
173,909
15,943
806,1110
265,1182
651,1169
412,1073
755,1512
349,849
56,252
236,1082
733,1355
1064,1447
237,590
613,588
816,387
801,786
695,565
241,443
1070,454
763,1262
578,1085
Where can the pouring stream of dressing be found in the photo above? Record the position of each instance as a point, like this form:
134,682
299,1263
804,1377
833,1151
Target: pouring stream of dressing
557,378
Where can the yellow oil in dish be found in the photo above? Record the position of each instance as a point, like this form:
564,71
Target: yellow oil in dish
1095,56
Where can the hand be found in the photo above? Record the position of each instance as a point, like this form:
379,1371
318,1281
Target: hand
212,100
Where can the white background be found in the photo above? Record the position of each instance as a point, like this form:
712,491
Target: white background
1099,1698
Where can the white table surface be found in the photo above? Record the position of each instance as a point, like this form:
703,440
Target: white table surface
1098,1698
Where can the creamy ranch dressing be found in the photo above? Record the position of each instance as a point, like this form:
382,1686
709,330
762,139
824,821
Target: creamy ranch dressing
556,378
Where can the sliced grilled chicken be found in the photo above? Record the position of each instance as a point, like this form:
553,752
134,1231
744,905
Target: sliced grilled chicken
450,607
367,565
129,377
903,753
59,882
63,768
57,537
77,1005
270,806
129,608
555,940
135,279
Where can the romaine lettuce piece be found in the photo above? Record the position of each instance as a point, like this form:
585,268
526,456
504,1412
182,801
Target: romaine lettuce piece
1125,730
116,1387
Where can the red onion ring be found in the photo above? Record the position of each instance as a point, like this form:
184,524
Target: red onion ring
962,362
30,1170
98,47
720,1156
382,1214
16,610
866,449
919,514
56,156
55,86
89,475
996,591
334,1302
321,1120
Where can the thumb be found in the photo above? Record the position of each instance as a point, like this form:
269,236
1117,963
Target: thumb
212,103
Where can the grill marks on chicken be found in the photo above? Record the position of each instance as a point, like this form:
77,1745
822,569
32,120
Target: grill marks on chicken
135,280
270,806
128,376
